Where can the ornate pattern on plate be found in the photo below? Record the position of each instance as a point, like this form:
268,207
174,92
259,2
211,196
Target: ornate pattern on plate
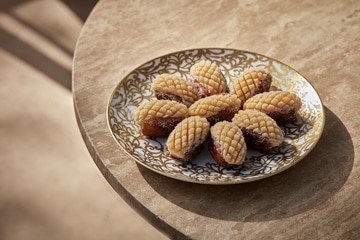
135,88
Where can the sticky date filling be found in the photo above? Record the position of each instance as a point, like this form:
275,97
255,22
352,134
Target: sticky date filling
215,151
159,127
255,140
224,115
194,150
168,96
283,116
264,85
202,90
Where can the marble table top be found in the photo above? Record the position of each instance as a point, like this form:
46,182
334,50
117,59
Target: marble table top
318,198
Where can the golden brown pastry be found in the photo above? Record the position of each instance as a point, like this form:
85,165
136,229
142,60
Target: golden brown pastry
279,105
216,108
173,87
188,138
251,82
208,79
227,144
260,131
158,118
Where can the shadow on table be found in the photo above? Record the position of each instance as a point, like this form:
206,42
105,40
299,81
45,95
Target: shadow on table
302,187
32,56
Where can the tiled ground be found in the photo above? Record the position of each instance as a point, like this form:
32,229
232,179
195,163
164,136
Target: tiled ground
49,186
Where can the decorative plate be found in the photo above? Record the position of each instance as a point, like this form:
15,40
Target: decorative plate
135,89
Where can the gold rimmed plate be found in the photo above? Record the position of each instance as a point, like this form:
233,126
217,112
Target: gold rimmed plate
134,89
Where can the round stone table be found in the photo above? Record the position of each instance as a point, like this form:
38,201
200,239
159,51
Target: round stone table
318,198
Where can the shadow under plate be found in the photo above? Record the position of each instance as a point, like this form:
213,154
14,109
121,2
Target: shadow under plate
310,182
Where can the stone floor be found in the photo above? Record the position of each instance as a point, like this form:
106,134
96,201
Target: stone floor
50,187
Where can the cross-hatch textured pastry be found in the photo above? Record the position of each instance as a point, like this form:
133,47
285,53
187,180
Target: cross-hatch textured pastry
216,108
279,105
208,79
173,87
227,144
245,116
260,131
251,82
158,118
188,138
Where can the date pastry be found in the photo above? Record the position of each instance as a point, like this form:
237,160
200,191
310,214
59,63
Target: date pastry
259,130
250,83
158,118
227,145
279,105
188,138
173,87
216,108
208,79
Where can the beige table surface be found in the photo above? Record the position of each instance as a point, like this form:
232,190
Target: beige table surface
318,198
